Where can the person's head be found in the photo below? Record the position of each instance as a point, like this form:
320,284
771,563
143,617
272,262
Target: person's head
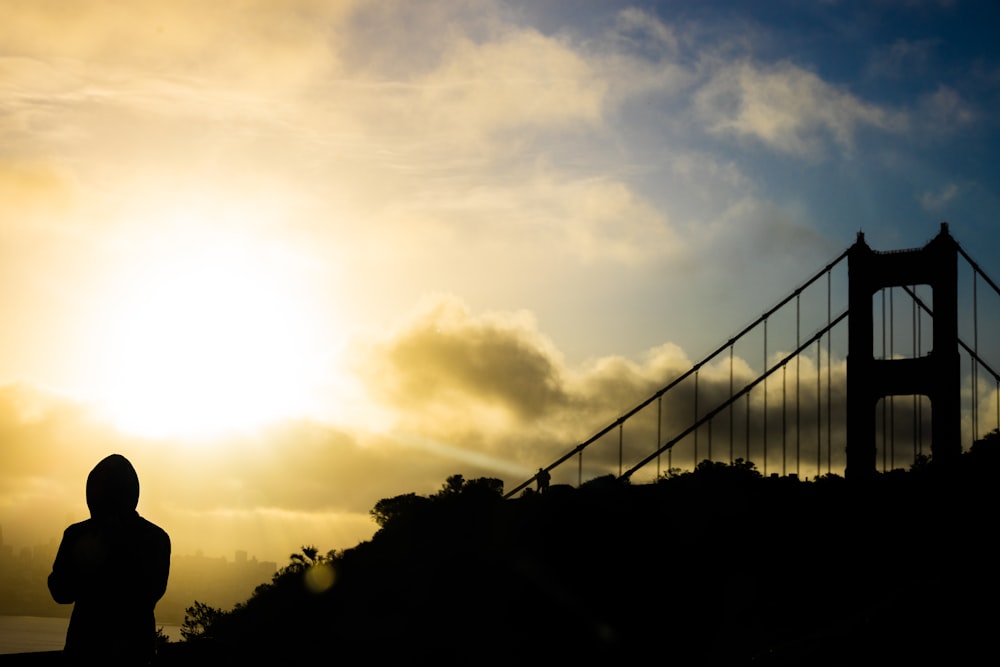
112,487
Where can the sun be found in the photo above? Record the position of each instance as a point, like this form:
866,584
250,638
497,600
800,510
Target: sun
210,334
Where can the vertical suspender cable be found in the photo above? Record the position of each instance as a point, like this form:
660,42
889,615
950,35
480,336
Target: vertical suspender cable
748,420
731,404
784,420
829,373
621,446
819,410
972,373
659,431
920,404
764,435
892,397
798,395
670,459
709,457
916,399
579,469
695,461
975,348
884,400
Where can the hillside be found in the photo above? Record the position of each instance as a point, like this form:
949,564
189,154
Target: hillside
718,566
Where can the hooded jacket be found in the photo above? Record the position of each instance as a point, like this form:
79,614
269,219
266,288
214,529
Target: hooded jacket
113,567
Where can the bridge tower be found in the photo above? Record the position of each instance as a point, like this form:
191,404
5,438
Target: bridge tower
936,375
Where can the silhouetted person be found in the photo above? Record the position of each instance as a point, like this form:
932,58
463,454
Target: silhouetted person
543,479
114,567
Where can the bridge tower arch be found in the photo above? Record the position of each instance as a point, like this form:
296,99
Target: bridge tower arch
936,375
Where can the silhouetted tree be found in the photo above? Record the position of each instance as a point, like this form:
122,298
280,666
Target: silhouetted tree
486,486
303,559
748,467
452,486
921,462
390,510
671,473
198,621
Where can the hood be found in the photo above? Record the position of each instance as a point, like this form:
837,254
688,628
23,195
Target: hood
112,487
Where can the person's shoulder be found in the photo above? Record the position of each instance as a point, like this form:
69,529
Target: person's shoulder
78,528
152,529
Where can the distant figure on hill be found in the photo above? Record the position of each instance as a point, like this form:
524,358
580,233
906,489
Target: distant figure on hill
543,478
114,567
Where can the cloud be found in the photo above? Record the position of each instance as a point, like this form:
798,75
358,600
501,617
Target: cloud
902,58
521,80
273,43
768,244
490,131
609,220
788,109
529,408
120,82
944,112
767,229
548,215
937,201
267,492
645,33
463,98
261,58
492,383
643,36
446,357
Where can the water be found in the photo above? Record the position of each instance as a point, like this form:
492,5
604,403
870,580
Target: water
28,634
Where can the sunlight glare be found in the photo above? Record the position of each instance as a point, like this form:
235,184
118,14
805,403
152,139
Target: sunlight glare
209,337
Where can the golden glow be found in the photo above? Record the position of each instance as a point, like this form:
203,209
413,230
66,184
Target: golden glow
210,332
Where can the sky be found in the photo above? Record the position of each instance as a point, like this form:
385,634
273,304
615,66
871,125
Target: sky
294,256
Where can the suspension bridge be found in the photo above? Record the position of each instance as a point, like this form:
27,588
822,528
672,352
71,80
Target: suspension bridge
870,364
